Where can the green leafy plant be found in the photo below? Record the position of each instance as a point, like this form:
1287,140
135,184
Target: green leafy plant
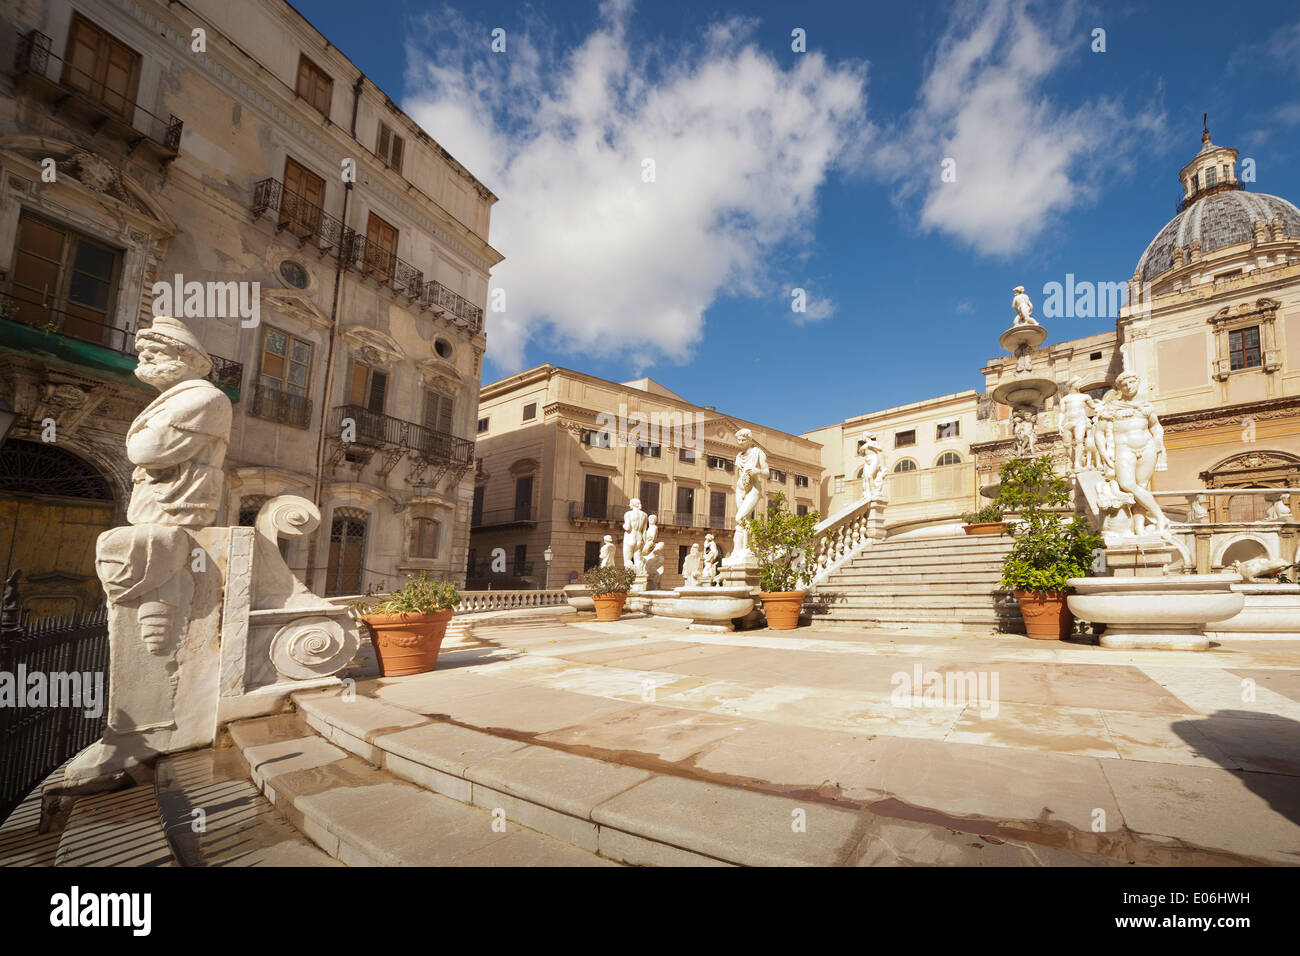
784,543
419,595
1049,549
609,579
986,515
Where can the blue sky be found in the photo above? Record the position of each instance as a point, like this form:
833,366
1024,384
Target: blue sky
820,170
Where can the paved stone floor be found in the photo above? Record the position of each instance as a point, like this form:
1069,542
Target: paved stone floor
1146,757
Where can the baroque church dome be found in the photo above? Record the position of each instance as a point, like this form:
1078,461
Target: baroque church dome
1215,212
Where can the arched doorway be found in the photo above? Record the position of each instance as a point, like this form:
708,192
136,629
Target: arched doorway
53,505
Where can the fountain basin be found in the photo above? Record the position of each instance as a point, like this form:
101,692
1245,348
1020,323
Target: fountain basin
1016,336
1272,612
1031,391
1156,613
707,608
578,596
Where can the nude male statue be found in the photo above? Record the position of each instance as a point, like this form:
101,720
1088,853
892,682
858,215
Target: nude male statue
1077,410
751,468
634,522
1131,446
1023,307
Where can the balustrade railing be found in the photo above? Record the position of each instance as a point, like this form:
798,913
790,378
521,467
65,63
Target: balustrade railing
840,538
472,602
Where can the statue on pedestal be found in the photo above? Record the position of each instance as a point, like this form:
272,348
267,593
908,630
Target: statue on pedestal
1131,448
653,562
1023,307
709,569
1024,425
691,566
647,541
1077,410
1280,509
873,467
751,469
1196,511
634,522
607,552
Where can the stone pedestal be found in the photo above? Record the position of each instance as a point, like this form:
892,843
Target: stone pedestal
1138,557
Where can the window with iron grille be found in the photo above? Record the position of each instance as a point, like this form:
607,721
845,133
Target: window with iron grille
1243,348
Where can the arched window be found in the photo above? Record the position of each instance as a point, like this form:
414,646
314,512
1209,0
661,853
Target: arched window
38,468
905,465
1097,392
948,458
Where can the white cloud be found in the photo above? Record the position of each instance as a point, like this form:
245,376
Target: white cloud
1021,159
598,260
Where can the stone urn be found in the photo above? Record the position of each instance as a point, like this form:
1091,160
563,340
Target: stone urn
407,643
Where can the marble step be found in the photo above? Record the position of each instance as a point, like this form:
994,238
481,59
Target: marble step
921,584
235,825
115,829
365,816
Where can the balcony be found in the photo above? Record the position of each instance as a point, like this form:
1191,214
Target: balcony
75,338
283,408
420,441
78,93
382,265
439,298
520,516
307,222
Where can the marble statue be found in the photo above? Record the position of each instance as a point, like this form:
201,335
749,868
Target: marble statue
1023,307
1131,448
1024,426
1280,509
709,570
1260,570
691,566
1196,511
650,536
1077,410
634,522
873,467
607,552
751,469
653,561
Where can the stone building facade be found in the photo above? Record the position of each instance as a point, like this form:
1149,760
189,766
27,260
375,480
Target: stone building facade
330,255
562,454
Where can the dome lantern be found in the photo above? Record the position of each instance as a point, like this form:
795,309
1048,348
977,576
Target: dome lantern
1211,170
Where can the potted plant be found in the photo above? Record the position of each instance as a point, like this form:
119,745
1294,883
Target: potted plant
1049,548
609,586
408,627
784,544
988,520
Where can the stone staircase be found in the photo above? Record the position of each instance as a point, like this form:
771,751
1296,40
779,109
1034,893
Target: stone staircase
948,582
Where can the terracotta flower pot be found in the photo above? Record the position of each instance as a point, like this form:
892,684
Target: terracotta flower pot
781,608
1047,617
407,643
983,527
609,607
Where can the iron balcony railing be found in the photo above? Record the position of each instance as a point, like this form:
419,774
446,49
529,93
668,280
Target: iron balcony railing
596,511
23,310
108,109
300,218
438,297
383,265
375,428
500,517
275,405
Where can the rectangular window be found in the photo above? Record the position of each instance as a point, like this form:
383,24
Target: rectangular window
723,464
650,497
1211,177
476,516
685,507
524,498
286,361
367,387
439,412
839,484
424,537
104,69
1243,348
303,200
314,85
67,281
686,456
777,475
683,550
903,439
1094,356
381,249
801,481
590,555
530,411
594,438
801,510
390,148
482,425
595,496
648,449
717,508
521,560
947,430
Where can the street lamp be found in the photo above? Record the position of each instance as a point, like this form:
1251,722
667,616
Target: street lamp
546,556
7,418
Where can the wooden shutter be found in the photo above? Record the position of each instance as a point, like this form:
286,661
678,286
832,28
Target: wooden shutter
102,67
357,385
300,208
378,389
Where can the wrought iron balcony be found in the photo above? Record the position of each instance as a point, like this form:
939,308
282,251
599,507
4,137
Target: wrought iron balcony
302,219
383,265
68,87
275,405
36,328
375,428
504,517
439,298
